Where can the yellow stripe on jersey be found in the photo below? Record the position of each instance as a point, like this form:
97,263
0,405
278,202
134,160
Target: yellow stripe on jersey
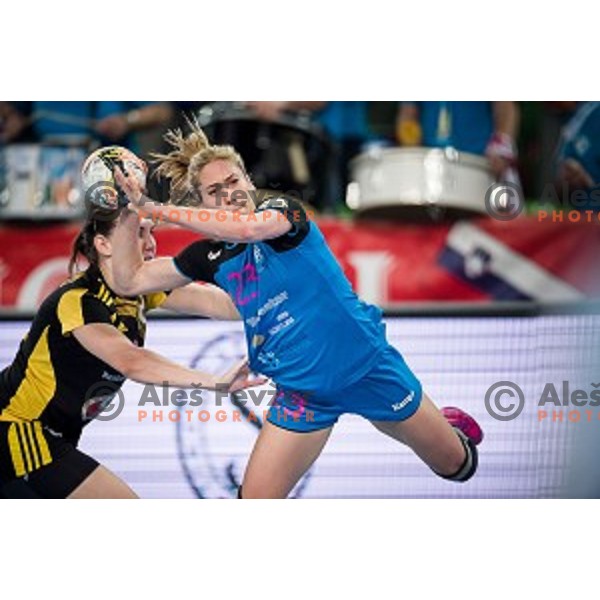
42,443
154,300
15,451
36,389
127,308
103,295
28,461
33,446
69,310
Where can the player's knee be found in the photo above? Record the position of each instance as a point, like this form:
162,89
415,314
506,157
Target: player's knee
468,466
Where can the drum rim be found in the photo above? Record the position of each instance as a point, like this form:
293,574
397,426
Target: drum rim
462,158
295,123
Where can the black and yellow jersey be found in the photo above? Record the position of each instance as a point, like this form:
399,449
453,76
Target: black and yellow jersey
51,376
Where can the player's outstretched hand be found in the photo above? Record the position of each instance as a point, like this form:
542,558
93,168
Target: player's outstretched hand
238,378
130,186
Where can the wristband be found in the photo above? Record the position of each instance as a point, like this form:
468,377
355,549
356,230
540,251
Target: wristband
502,145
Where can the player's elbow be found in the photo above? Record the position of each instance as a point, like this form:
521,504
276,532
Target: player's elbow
249,232
256,231
133,364
229,314
234,315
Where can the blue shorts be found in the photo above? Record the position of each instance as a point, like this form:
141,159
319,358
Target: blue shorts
388,392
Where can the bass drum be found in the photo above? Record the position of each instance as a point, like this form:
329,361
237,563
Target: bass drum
289,156
419,183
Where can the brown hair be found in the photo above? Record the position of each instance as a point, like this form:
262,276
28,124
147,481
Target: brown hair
97,223
189,156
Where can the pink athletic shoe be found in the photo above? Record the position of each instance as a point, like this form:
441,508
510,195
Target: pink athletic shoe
464,422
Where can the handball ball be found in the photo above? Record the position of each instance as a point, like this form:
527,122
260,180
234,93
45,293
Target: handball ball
97,175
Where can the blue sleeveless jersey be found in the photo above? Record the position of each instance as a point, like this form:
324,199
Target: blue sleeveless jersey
305,326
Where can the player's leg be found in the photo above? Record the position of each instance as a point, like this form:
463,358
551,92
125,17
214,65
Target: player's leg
71,473
102,483
279,459
392,398
447,450
74,474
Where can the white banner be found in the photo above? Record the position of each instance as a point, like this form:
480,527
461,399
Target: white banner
168,451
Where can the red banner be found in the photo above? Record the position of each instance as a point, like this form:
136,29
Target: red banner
474,260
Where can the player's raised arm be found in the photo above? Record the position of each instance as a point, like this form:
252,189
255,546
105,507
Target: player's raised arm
133,275
226,225
205,300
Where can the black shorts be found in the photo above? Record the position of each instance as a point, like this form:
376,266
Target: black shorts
38,463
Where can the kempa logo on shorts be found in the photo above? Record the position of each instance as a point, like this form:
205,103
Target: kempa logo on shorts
400,405
214,255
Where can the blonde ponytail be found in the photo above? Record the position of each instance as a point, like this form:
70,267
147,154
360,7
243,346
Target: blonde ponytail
189,156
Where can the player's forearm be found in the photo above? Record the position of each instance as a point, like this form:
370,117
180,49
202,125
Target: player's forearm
148,367
223,225
203,300
229,226
127,258
506,118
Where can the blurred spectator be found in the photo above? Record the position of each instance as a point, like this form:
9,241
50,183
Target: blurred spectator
578,158
12,122
553,116
185,110
107,122
271,111
485,128
347,124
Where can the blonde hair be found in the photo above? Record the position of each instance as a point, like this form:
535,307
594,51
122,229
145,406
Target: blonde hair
189,156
